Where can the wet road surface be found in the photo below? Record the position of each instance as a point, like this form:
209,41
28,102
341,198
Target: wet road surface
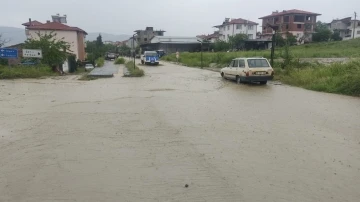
144,139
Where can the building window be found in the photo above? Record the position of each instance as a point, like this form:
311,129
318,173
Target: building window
286,18
358,32
238,26
299,18
250,27
228,36
308,18
299,26
145,39
250,36
228,27
287,27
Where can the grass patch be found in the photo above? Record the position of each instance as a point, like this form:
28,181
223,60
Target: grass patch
17,72
134,72
335,78
336,49
86,77
100,62
119,61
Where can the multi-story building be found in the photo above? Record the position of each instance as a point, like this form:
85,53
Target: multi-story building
347,28
73,35
297,22
145,36
232,27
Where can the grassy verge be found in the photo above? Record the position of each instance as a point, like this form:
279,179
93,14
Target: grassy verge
336,49
335,78
18,72
134,72
119,61
86,77
100,62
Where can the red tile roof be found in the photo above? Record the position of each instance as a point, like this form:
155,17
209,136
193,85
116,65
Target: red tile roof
34,22
292,11
237,21
55,26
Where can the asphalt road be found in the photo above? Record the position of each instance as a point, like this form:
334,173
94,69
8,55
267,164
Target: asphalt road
144,139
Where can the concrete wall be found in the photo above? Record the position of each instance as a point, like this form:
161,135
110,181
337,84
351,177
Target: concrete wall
233,29
69,36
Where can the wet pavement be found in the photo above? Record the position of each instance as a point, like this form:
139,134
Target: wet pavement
108,70
144,139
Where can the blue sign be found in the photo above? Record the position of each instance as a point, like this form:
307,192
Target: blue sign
8,53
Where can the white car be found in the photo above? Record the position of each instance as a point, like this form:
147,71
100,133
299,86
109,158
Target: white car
248,70
89,66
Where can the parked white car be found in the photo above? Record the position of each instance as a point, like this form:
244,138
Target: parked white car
248,70
89,66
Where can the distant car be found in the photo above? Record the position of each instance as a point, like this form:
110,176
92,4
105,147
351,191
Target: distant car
89,66
249,70
150,57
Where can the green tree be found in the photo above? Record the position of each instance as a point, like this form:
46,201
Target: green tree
336,36
220,45
238,41
322,33
54,51
99,41
290,39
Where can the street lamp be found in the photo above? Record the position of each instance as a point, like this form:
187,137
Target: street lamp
201,42
134,48
274,28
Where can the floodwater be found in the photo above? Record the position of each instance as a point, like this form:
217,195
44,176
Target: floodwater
144,139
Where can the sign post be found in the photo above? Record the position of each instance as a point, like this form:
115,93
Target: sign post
32,53
8,53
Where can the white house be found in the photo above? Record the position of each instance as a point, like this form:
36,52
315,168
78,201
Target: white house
346,28
237,26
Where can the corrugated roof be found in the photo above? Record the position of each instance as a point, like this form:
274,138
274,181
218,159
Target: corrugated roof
55,26
175,39
292,11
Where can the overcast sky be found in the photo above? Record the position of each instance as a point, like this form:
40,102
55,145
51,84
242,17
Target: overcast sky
177,17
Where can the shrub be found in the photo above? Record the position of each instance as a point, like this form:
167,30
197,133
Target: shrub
100,62
119,61
134,72
17,72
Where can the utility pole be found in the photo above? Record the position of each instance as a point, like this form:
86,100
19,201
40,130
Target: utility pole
354,25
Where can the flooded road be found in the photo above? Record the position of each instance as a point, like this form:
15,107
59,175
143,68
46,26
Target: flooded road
144,139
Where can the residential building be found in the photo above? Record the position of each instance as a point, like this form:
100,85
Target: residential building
297,22
171,44
346,27
212,38
131,43
145,36
73,35
232,27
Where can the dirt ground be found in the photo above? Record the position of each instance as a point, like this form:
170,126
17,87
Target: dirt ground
144,139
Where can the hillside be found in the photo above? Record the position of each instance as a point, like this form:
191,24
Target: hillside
17,35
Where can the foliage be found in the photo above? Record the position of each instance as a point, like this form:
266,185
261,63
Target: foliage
119,61
134,72
100,62
72,63
336,36
334,78
322,33
99,41
96,49
280,41
124,50
221,46
3,41
25,72
54,50
238,41
286,56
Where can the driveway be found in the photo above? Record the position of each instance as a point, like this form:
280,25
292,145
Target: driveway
145,139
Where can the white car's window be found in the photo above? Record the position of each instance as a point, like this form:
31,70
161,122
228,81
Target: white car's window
258,63
236,63
242,63
231,63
